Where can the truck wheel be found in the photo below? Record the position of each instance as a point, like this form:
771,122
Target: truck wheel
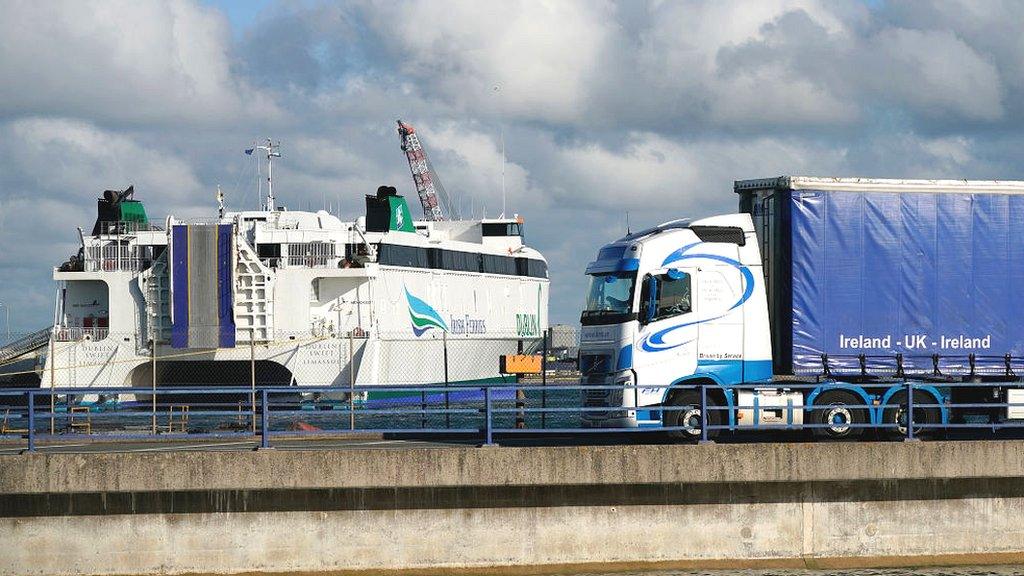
831,410
689,416
897,414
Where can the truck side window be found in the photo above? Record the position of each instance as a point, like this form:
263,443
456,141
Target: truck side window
672,295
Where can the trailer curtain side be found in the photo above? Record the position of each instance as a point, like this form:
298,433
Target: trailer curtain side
865,276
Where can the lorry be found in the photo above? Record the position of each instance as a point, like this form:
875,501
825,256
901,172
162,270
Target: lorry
814,306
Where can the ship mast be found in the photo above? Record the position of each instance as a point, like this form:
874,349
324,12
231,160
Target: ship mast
273,151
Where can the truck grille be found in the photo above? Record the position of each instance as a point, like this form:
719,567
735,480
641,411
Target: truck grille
602,399
595,364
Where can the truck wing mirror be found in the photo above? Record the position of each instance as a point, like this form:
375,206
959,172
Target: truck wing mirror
652,300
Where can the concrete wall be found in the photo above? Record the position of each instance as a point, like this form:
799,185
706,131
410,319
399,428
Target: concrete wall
527,509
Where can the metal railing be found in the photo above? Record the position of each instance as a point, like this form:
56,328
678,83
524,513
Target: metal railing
301,262
318,261
480,412
79,333
113,257
122,227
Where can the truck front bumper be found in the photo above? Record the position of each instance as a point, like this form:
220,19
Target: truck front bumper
617,421
603,408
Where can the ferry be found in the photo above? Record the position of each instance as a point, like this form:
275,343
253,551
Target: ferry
308,298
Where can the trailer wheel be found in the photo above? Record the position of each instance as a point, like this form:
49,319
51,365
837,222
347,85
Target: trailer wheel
689,416
897,414
832,410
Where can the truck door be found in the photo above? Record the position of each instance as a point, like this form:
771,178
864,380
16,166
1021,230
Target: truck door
668,335
721,329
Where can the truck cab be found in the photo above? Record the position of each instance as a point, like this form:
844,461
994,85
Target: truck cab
680,303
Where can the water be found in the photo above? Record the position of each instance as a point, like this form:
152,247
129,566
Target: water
956,571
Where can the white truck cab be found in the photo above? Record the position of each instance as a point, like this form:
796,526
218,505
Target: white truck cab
680,303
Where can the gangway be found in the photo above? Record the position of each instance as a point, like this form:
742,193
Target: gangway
25,345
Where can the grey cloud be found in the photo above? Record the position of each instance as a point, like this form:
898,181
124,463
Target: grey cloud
121,61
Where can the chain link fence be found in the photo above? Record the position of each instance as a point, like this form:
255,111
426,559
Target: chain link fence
108,382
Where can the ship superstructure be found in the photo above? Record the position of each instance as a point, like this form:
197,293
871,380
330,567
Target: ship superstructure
310,298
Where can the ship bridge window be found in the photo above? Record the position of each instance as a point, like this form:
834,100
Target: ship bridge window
454,260
531,268
457,261
269,254
498,264
268,251
398,255
501,229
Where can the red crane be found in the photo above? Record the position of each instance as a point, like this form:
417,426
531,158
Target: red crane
433,196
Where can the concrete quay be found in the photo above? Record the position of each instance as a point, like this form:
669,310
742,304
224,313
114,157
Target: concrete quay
532,509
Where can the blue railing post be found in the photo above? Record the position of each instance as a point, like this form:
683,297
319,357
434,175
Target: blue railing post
264,421
488,437
703,413
31,421
910,410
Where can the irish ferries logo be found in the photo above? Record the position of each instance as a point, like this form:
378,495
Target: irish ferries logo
423,315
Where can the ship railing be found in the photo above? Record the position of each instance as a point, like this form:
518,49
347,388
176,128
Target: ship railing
311,261
117,257
124,228
486,413
117,265
327,330
301,262
79,333
197,220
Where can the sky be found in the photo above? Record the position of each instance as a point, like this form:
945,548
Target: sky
648,107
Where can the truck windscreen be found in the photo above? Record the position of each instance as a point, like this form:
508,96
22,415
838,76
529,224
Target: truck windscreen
609,299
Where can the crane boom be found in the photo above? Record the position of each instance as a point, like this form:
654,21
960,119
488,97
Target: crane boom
433,197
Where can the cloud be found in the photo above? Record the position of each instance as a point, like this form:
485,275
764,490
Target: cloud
542,56
71,160
651,108
122,61
54,170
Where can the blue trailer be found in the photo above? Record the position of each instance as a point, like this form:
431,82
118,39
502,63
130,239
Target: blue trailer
860,271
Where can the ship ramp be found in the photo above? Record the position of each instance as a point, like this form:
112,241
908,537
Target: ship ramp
24,345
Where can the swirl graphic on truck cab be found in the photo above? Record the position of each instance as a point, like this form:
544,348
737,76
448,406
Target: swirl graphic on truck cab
656,342
423,315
